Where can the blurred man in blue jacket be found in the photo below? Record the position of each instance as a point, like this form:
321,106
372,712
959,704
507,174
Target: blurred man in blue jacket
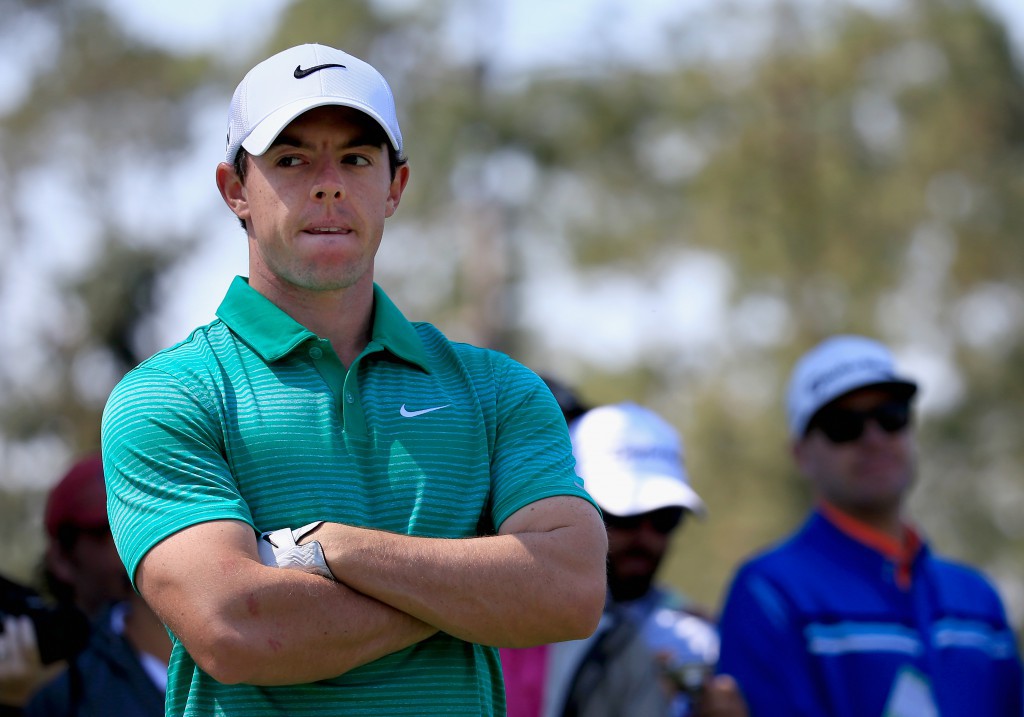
853,615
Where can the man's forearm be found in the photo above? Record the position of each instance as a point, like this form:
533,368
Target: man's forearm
526,588
309,632
244,622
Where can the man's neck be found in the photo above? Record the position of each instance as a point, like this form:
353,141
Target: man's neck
344,317
889,523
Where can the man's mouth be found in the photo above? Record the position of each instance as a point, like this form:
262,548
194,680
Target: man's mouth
326,230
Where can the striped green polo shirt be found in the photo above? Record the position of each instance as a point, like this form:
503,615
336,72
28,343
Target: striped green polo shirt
254,418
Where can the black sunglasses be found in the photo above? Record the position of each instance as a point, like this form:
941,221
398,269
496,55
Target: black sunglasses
663,520
843,425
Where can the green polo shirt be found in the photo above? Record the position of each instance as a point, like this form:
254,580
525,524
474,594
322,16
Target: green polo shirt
254,418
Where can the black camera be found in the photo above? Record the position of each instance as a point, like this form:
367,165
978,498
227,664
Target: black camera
61,631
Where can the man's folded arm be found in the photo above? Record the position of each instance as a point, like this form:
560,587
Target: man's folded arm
541,579
243,622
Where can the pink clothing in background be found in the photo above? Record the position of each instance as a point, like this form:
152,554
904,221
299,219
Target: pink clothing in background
524,670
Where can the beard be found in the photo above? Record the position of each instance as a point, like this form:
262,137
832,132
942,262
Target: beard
631,574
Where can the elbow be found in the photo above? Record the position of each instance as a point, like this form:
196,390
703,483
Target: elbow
236,653
584,599
589,608
575,616
591,591
255,657
223,654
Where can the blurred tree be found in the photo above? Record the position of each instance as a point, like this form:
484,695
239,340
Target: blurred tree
861,179
80,266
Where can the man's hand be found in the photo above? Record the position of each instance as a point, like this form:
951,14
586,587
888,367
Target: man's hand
721,697
21,669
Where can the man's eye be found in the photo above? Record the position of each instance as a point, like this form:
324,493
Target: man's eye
358,160
288,162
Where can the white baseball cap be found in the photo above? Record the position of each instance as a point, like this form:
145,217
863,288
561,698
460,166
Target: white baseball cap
294,81
631,461
834,368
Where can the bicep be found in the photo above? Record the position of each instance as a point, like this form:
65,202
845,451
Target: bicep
164,465
187,576
562,512
566,533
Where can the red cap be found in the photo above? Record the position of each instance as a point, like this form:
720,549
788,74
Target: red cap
79,499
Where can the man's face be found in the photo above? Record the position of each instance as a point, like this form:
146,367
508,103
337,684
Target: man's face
865,475
636,546
93,569
315,203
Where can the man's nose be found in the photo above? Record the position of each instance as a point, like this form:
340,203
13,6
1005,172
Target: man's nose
329,184
874,432
649,534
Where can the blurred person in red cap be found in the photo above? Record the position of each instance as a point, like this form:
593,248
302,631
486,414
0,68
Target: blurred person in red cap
81,571
81,563
114,648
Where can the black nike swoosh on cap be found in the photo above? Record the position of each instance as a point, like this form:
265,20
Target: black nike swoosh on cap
300,73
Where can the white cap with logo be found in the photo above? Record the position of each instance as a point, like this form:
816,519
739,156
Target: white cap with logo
283,86
631,461
834,368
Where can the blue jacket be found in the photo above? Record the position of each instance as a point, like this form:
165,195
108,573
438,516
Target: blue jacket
104,680
819,627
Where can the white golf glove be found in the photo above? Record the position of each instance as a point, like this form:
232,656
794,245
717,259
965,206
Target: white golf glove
280,549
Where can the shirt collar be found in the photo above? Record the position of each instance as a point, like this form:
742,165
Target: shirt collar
273,334
901,552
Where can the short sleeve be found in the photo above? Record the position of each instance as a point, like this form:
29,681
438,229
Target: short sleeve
532,457
163,461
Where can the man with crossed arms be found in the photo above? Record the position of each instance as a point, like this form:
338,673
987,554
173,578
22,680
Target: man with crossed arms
454,520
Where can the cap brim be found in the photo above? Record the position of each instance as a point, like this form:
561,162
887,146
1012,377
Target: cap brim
655,492
902,388
268,129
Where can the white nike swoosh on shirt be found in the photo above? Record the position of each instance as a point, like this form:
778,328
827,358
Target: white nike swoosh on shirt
412,414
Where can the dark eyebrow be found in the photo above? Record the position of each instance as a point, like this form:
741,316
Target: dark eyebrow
284,140
361,140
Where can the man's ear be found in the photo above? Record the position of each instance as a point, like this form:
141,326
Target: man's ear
232,190
395,192
802,455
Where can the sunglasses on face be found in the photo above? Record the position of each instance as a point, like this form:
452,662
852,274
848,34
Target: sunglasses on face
843,425
663,521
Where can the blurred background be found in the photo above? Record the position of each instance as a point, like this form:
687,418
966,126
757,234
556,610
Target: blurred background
664,201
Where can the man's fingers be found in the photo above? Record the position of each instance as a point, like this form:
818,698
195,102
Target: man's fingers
19,650
722,698
27,644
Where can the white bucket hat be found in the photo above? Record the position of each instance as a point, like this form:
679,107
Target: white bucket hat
631,461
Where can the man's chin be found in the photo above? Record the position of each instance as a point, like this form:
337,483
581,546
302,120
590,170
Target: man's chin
626,588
